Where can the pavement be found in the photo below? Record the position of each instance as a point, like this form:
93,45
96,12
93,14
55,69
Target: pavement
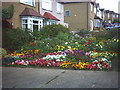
57,78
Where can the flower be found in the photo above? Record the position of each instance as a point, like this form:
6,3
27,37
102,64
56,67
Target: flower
87,42
66,42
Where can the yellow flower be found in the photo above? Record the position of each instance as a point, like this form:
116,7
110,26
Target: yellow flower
117,41
114,39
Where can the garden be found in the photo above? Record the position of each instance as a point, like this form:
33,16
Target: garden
56,47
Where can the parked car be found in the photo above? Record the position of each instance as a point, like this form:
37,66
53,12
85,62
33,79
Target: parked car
109,27
117,27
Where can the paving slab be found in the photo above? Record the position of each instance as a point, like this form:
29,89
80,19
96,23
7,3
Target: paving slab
57,78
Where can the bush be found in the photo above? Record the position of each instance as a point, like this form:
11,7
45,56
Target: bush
62,36
108,34
13,39
50,31
83,32
3,52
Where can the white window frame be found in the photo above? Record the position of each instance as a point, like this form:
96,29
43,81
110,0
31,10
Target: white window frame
67,11
28,2
30,23
50,22
91,6
47,5
59,8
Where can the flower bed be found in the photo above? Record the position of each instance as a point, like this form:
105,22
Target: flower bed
94,61
73,53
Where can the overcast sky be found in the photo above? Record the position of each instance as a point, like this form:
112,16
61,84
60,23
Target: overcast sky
109,4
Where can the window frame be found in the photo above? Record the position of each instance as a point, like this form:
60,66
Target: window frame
59,8
30,22
49,8
67,11
28,2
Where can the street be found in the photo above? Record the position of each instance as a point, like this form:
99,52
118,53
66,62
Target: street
57,78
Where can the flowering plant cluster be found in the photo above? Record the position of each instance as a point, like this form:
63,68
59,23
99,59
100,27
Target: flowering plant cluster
76,53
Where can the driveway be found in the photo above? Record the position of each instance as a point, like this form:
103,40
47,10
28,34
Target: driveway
57,78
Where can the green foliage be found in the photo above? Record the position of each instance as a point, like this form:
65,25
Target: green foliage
62,36
116,21
50,31
14,38
108,34
7,13
83,32
3,52
37,35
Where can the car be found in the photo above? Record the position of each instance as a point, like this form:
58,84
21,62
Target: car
117,27
109,27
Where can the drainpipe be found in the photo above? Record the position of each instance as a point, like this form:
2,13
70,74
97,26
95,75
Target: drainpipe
87,15
39,6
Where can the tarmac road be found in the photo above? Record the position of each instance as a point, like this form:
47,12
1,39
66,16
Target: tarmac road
57,78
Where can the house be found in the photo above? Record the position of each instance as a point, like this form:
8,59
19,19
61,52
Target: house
111,15
119,7
106,15
79,14
53,12
97,16
34,14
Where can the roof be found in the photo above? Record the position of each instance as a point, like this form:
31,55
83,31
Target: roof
30,12
50,16
96,17
75,1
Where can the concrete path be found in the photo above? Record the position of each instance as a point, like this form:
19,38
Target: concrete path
57,78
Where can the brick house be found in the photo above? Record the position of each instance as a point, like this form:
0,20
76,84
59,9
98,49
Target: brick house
79,14
34,14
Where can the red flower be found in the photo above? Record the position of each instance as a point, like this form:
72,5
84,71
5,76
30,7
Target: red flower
90,41
87,42
32,44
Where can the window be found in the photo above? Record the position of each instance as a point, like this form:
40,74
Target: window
47,4
24,24
49,22
91,7
28,2
32,23
59,8
67,13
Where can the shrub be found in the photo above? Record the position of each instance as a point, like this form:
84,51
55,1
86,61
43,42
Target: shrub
50,31
83,32
3,52
62,36
14,38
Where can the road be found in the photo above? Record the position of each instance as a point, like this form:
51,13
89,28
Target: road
57,78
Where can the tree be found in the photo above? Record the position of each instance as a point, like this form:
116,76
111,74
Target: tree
7,13
116,21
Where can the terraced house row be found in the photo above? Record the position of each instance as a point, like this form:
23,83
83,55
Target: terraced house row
87,14
75,14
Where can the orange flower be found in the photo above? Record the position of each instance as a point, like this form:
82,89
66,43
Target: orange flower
87,42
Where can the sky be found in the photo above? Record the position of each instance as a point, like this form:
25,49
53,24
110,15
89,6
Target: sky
111,5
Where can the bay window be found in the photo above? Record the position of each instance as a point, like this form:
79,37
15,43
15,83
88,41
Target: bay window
32,23
49,22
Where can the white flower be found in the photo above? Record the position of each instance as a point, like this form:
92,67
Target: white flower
96,44
76,42
66,42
